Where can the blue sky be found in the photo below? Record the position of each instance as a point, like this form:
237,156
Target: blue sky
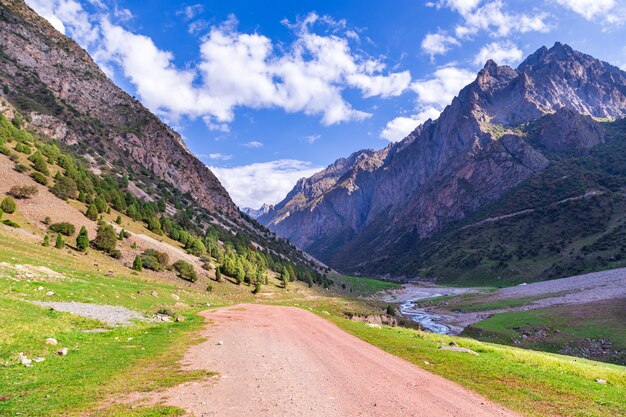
266,92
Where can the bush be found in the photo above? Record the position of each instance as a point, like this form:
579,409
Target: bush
115,253
151,262
21,168
257,288
64,188
185,271
20,147
137,264
92,212
162,258
82,240
39,163
209,288
46,241
106,239
63,228
59,243
8,205
11,223
40,178
23,191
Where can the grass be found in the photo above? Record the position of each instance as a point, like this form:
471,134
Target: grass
363,285
533,383
564,328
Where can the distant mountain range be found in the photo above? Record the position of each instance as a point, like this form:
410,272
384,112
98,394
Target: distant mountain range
387,211
256,213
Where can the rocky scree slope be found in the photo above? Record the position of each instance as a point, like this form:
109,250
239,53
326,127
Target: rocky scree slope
479,149
64,94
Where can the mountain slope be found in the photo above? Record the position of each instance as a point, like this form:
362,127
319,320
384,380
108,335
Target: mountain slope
503,128
64,94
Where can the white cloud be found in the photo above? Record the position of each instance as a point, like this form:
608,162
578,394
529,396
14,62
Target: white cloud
493,18
311,139
253,144
438,43
589,9
220,157
191,11
399,128
263,182
236,69
503,53
433,94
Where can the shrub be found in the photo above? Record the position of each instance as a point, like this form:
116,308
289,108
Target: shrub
118,220
47,220
391,311
137,265
106,239
115,253
162,257
92,212
218,274
46,241
257,288
40,178
20,147
1,213
59,243
8,205
151,262
39,163
11,223
63,228
23,191
82,240
64,188
185,271
21,168
209,288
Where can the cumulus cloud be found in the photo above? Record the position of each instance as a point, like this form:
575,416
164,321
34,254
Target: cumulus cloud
438,43
236,69
434,93
477,16
191,11
589,9
253,144
503,53
263,182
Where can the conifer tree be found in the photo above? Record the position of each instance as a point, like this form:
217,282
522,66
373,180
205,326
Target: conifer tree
82,240
59,243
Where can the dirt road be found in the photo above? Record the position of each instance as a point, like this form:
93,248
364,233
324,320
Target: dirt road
282,361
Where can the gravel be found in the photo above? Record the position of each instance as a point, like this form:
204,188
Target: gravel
111,315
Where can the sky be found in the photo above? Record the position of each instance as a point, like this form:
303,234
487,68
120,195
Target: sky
267,92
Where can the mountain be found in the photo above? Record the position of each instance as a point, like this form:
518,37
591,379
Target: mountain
364,213
56,84
256,213
96,145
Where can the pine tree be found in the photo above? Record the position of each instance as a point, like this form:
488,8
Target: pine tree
82,240
46,241
92,212
122,235
118,220
218,274
284,276
137,265
59,243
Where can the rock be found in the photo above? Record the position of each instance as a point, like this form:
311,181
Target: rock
40,288
453,344
326,313
459,349
50,293
51,341
24,360
63,352
601,381
175,297
154,293
40,359
374,325
180,319
220,343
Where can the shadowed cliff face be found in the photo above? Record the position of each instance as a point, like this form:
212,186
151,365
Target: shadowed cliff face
478,150
64,93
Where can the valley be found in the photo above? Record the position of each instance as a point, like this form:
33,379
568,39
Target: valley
474,266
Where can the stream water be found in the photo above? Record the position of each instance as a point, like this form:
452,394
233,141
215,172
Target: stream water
409,294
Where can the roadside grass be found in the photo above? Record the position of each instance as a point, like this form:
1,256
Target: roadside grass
363,285
556,328
532,383
140,357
